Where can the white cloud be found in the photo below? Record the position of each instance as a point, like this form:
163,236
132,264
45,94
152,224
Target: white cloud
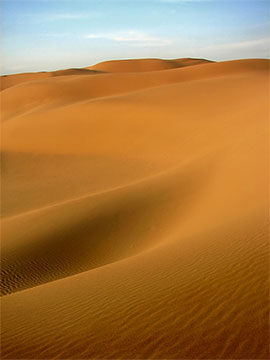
66,16
179,1
58,34
215,1
14,68
135,37
259,48
244,44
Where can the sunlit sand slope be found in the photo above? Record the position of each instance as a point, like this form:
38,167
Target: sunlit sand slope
12,80
135,214
135,65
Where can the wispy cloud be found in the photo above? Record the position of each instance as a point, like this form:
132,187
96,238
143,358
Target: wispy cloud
56,35
13,68
216,1
66,16
264,42
132,36
184,1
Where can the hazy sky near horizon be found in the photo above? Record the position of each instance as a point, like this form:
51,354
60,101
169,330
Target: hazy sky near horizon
41,35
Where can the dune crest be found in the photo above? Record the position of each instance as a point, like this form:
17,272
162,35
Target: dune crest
134,65
12,80
134,211
145,65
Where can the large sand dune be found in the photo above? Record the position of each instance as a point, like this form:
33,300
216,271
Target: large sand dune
134,211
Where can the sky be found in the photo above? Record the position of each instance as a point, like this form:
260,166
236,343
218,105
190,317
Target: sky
44,35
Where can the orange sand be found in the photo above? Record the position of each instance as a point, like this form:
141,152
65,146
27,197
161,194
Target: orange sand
134,211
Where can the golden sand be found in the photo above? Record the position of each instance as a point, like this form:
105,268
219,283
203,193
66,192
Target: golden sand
134,211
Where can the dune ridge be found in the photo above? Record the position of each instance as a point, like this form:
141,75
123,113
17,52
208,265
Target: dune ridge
65,90
104,216
13,80
134,65
135,217
144,65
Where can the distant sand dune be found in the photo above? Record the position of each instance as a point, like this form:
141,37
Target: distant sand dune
143,65
36,95
135,65
12,80
134,211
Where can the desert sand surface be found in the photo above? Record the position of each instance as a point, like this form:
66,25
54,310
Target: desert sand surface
135,211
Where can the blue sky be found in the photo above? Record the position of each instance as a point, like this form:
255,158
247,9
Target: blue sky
41,35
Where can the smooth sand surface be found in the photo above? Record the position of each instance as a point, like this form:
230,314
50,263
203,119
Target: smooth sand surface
135,211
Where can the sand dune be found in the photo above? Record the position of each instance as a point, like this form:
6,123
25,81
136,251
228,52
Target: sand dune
143,65
12,80
134,211
64,90
134,65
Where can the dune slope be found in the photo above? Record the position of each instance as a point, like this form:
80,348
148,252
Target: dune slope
134,212
134,65
143,65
